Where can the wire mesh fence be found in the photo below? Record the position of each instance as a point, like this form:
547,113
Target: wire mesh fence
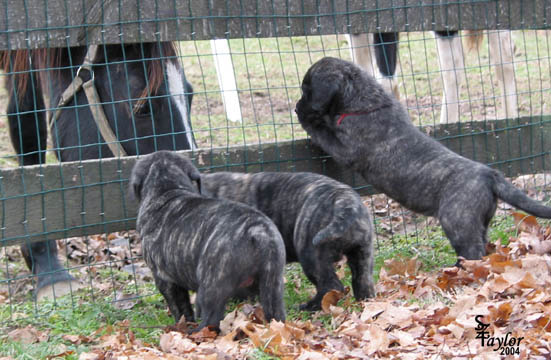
238,114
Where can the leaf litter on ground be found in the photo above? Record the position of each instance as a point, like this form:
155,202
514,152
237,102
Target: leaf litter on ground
415,315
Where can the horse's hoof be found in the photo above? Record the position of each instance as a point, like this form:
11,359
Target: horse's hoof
57,289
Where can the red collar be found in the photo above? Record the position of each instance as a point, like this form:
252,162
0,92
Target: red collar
341,118
349,114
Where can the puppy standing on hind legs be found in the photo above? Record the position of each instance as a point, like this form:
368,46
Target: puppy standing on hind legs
349,115
211,246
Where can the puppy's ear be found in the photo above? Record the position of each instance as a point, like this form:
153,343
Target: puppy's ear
137,178
324,94
195,175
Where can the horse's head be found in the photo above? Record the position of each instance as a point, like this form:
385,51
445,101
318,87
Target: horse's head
143,93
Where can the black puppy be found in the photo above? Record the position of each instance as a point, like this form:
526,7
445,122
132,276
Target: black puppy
319,218
211,246
349,115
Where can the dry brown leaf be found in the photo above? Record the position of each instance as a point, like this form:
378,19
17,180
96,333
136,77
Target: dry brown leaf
233,321
479,269
175,343
205,334
534,243
76,339
113,341
287,330
28,335
528,282
498,285
332,297
252,333
435,318
61,355
373,309
395,317
378,340
257,316
526,223
312,355
402,266
500,315
90,356
404,338
498,262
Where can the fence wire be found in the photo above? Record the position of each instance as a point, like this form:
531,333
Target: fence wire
244,95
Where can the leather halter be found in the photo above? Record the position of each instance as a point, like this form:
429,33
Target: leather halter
93,100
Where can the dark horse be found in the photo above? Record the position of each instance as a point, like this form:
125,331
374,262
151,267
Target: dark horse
144,95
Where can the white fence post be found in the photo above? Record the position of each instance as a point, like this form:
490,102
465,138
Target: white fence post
226,78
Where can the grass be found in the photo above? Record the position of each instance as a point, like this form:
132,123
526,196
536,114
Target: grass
80,316
269,72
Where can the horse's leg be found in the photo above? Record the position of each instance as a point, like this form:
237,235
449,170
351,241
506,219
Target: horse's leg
28,133
386,55
501,55
452,66
386,50
361,52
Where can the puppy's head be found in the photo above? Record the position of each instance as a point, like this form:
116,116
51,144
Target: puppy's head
163,171
333,87
321,90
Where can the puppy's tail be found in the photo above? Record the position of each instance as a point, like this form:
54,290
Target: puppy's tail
344,215
513,196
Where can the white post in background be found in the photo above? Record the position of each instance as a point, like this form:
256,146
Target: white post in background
226,78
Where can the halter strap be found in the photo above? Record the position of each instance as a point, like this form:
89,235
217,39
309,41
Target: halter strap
93,101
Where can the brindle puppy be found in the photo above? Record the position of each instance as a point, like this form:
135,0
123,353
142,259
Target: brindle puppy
319,218
349,115
211,246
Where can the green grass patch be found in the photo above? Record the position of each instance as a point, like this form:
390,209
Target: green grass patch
78,315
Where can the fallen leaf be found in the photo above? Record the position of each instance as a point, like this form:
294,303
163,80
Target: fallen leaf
205,334
60,355
526,223
332,297
90,356
76,339
28,335
378,340
175,343
125,301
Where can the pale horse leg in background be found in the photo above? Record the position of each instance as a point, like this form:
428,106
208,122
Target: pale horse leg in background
452,66
385,46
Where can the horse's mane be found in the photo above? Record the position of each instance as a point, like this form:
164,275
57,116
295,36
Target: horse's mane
21,62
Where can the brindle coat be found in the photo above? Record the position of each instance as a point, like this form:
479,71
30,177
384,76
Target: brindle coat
211,246
319,218
349,115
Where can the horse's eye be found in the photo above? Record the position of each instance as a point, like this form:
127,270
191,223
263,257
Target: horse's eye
142,108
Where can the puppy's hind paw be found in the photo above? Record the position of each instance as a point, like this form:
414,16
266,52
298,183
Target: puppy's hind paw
310,306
